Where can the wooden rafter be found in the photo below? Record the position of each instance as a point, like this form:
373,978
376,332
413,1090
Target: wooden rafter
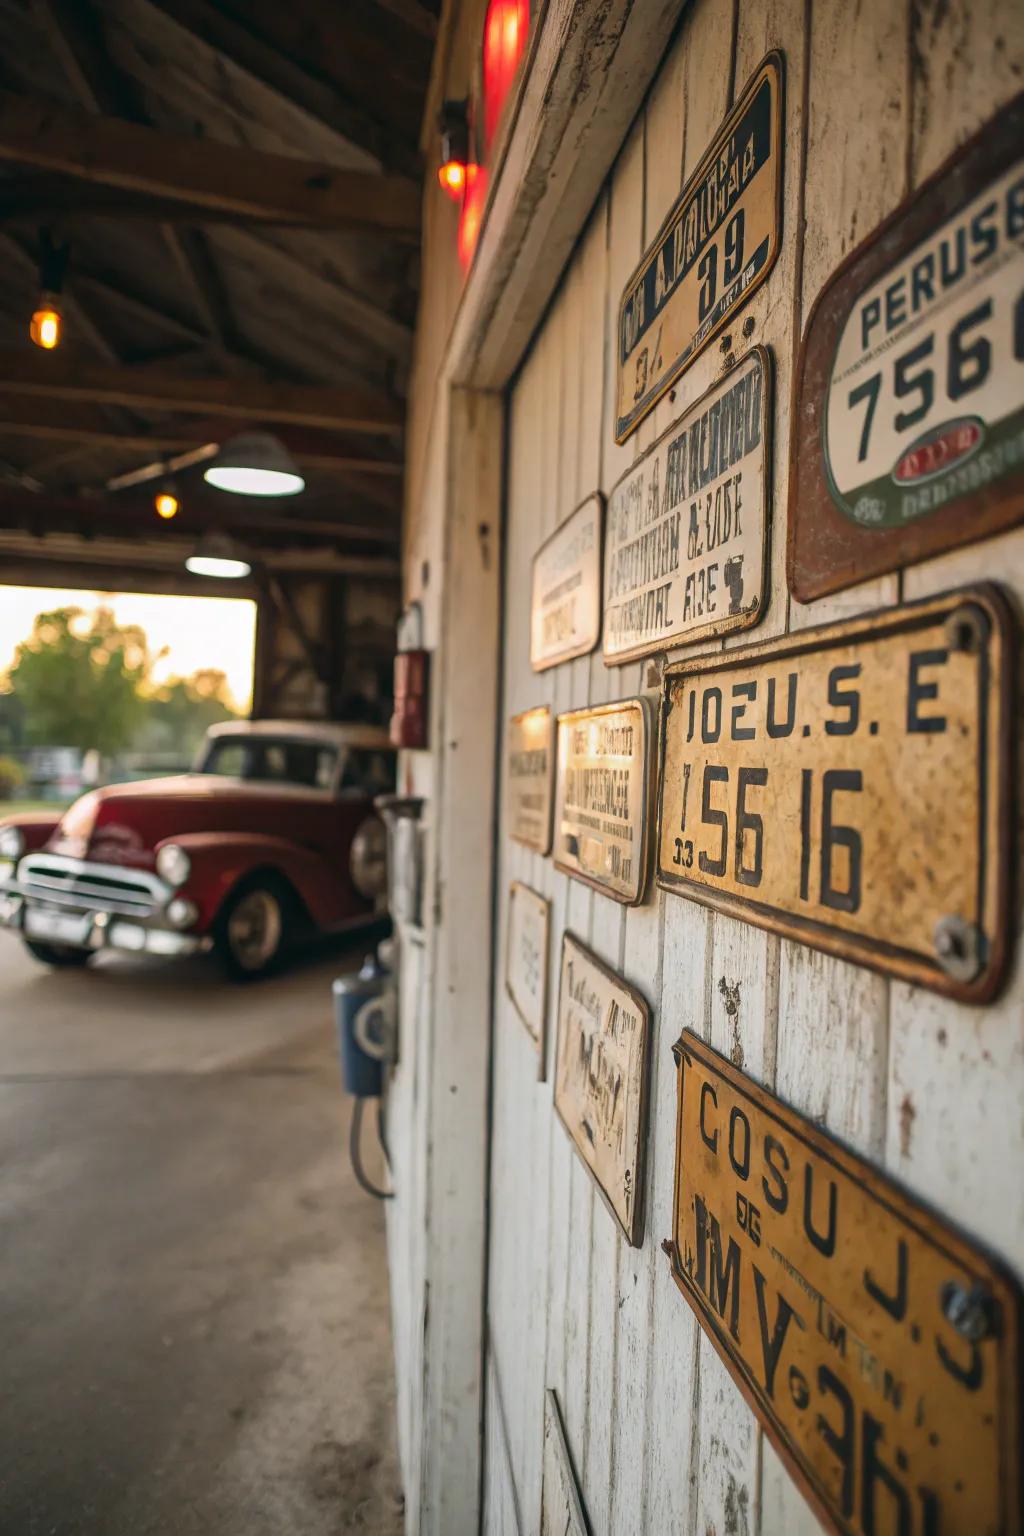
46,512
354,311
318,97
77,35
61,377
197,176
36,418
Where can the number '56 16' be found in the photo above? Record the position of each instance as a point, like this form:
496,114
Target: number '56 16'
964,368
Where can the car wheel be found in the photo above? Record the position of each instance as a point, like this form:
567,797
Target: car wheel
255,928
58,954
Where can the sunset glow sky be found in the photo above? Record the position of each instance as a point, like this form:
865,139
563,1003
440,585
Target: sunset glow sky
197,631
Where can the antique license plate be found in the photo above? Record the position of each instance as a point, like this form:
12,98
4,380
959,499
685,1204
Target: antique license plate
909,432
686,542
526,960
62,927
531,765
601,1079
601,795
565,599
715,248
879,1348
850,787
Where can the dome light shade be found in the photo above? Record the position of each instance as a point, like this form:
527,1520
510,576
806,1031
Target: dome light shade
217,555
255,464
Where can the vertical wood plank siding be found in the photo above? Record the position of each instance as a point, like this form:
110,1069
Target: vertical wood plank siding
877,96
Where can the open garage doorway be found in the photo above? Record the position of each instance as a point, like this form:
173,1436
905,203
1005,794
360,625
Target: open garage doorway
107,687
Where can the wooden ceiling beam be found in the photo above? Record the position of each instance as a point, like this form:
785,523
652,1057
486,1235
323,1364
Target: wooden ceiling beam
51,421
197,175
122,515
76,32
317,96
354,311
60,377
414,14
358,48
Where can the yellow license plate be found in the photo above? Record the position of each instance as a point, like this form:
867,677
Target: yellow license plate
878,1347
850,787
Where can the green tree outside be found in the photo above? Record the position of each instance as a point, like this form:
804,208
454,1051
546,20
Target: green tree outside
80,683
85,681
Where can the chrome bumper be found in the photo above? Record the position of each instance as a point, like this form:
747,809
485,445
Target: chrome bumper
77,920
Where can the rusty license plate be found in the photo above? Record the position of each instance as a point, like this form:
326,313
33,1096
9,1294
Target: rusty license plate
850,787
879,1347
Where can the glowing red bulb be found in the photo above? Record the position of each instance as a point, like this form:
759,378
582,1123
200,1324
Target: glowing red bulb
452,176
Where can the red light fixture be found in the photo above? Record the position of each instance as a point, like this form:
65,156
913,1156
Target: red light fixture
452,176
506,26
452,172
472,213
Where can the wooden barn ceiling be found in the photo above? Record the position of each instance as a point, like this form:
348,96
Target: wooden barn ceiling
239,181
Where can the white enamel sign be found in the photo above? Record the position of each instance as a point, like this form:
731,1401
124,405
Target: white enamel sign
601,1079
601,793
526,960
531,764
926,396
565,605
687,529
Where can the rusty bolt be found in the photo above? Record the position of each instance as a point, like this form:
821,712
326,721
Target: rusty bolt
967,629
973,1313
959,946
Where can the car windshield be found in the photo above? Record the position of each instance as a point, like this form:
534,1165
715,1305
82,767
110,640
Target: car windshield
266,761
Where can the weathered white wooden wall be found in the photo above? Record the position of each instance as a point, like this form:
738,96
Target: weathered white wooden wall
877,96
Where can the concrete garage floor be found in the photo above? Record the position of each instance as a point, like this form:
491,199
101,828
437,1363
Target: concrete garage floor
193,1294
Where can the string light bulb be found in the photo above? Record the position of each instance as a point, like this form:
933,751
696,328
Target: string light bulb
166,503
453,171
452,176
47,323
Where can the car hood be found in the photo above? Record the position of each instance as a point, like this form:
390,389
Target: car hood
125,823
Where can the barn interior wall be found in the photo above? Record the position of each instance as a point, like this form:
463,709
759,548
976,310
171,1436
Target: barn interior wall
877,97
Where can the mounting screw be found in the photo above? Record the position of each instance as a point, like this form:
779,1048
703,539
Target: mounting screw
958,945
967,629
973,1313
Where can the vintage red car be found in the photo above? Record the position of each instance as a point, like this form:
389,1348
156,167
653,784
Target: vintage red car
272,837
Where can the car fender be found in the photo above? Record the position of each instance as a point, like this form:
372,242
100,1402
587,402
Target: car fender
220,860
36,827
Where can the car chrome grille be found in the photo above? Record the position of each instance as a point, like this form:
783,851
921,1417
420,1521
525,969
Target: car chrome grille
78,883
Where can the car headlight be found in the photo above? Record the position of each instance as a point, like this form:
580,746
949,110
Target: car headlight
182,913
173,864
368,860
12,842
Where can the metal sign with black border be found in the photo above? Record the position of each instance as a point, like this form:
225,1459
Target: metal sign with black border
879,1347
716,247
687,527
909,419
851,787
